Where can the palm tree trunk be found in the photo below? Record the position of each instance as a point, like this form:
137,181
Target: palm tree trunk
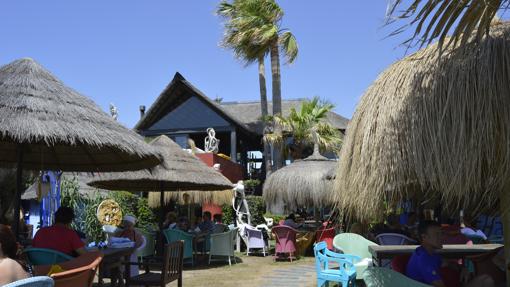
277,98
264,112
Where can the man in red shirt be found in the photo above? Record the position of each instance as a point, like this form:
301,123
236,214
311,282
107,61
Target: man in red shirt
60,236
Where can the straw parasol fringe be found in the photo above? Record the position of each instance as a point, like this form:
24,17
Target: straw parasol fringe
194,196
439,125
59,128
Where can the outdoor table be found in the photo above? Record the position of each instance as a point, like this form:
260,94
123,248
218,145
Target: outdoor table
453,251
113,258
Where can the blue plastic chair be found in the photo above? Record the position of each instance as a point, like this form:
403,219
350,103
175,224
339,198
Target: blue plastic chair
346,272
38,281
172,235
44,256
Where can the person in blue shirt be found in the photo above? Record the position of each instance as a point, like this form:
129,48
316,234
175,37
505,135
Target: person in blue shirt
425,264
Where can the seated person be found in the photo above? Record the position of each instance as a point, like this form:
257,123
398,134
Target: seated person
469,229
60,236
129,231
393,225
10,268
218,226
183,224
170,221
426,266
411,227
206,226
291,221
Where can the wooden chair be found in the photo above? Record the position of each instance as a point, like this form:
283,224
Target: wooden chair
171,268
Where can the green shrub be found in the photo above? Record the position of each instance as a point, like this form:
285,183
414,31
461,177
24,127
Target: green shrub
276,218
228,214
257,209
85,208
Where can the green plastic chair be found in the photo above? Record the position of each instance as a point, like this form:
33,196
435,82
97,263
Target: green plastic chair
380,277
150,244
172,235
222,244
44,256
351,243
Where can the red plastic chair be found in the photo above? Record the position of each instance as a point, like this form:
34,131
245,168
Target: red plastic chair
325,234
399,263
285,241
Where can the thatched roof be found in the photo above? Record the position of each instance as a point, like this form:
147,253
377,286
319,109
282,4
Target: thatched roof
249,113
245,115
59,128
178,171
302,183
441,124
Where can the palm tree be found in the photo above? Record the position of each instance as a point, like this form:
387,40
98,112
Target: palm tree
245,50
254,29
436,19
305,127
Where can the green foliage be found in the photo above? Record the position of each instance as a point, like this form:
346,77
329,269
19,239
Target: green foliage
228,214
251,183
306,126
276,218
85,208
257,209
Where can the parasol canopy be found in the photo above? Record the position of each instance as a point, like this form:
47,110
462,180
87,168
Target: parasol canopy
47,125
59,129
179,170
440,123
306,182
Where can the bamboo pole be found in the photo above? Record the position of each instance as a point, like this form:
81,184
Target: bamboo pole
505,220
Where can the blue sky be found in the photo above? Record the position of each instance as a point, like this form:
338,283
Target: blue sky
127,51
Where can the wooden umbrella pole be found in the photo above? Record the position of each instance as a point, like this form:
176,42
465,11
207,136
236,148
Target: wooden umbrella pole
161,205
505,220
19,189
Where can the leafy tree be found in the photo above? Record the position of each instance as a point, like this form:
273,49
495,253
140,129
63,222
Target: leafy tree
305,126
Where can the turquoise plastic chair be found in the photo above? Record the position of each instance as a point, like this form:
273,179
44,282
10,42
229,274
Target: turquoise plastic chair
355,244
44,256
172,235
380,277
346,272
38,281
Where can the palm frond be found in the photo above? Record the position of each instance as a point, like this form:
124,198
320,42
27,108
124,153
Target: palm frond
436,19
289,46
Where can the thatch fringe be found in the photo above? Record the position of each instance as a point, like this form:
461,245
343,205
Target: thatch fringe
199,197
61,129
438,126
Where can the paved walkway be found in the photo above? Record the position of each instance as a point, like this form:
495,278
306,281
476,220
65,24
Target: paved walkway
299,275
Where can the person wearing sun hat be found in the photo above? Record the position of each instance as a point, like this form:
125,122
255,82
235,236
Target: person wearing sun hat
129,231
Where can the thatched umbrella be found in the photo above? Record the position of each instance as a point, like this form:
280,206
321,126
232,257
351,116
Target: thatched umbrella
47,125
179,171
441,123
305,182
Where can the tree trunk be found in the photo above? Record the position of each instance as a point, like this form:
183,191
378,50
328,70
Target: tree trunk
264,113
504,204
277,98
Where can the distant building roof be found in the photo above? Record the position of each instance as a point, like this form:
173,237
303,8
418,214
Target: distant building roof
246,115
